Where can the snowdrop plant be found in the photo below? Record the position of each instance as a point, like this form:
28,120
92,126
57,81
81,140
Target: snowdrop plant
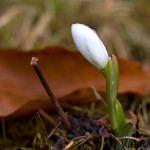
92,48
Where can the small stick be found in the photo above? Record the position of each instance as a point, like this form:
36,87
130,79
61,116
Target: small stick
98,96
118,141
53,131
34,63
47,117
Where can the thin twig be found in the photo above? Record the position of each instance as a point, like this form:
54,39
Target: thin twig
69,145
47,117
132,138
98,96
118,141
80,141
52,132
34,63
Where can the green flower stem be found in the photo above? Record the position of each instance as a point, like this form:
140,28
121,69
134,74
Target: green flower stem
116,115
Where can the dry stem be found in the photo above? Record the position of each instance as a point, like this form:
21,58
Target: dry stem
59,109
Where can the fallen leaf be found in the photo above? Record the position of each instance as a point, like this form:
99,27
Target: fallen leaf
69,75
103,121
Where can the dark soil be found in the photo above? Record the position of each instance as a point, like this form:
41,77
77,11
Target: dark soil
85,130
86,134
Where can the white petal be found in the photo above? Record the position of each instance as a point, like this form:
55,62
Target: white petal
89,45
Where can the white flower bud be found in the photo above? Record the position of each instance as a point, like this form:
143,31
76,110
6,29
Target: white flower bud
89,45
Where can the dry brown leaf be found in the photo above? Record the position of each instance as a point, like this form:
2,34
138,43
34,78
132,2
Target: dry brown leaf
69,75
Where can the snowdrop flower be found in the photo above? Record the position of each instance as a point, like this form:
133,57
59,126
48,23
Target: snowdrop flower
89,45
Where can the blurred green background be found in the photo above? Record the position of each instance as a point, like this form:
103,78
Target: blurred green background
123,25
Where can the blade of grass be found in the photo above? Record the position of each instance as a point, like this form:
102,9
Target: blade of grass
75,147
42,124
23,148
143,132
4,131
76,108
102,143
